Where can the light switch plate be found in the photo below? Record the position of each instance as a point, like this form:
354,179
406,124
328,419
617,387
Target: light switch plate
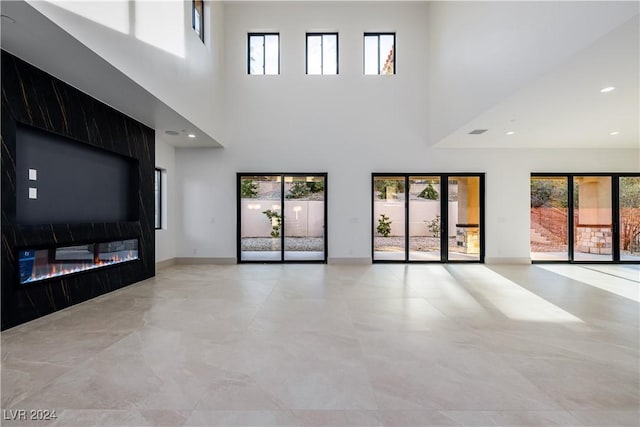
33,174
33,193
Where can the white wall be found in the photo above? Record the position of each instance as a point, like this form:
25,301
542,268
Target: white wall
348,125
166,238
152,43
208,183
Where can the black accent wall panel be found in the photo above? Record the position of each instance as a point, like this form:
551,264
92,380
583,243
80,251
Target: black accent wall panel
37,101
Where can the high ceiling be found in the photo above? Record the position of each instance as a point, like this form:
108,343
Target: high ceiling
564,107
531,68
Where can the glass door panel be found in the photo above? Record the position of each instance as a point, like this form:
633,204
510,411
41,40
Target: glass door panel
304,218
389,218
549,229
424,218
629,197
464,218
260,218
593,230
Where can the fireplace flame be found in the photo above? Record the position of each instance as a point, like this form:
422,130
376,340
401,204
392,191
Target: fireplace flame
49,271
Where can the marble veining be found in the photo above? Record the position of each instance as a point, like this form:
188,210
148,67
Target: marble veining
32,97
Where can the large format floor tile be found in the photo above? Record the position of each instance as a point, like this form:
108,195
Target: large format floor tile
318,345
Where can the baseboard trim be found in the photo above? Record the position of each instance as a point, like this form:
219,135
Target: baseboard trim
166,263
507,260
204,261
349,261
332,261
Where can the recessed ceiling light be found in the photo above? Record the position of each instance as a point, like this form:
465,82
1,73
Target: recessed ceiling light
510,132
614,133
7,18
172,132
191,135
607,89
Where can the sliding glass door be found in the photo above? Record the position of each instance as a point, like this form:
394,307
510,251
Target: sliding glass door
260,217
629,214
304,218
592,207
427,217
585,217
549,230
464,239
282,217
389,218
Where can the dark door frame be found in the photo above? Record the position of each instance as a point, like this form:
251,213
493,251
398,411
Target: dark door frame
282,176
615,216
444,216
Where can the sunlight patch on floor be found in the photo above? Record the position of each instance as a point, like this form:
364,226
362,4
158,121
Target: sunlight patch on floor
620,286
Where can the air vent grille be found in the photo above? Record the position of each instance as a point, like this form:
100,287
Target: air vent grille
477,131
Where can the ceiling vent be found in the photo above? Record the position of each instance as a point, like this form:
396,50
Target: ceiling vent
477,131
171,132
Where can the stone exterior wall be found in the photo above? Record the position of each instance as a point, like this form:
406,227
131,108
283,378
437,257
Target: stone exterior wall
594,239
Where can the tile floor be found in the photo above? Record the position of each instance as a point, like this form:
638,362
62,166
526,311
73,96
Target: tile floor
318,345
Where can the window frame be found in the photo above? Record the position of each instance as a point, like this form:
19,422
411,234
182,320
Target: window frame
364,59
571,209
158,179
321,35
194,8
263,35
240,176
444,217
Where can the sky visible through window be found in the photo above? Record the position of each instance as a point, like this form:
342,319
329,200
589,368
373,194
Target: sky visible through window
322,54
264,54
379,54
197,18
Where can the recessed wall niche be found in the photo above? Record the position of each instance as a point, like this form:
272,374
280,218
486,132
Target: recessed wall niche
74,182
92,168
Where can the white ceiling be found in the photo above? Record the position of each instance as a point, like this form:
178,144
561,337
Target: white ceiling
40,42
564,108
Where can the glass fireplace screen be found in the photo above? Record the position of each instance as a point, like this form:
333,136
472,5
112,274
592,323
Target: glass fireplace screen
42,264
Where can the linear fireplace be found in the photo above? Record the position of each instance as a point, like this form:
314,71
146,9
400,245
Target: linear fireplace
37,265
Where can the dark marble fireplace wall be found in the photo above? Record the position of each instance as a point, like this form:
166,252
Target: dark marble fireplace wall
35,98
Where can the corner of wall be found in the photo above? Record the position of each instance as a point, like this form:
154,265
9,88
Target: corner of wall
166,237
